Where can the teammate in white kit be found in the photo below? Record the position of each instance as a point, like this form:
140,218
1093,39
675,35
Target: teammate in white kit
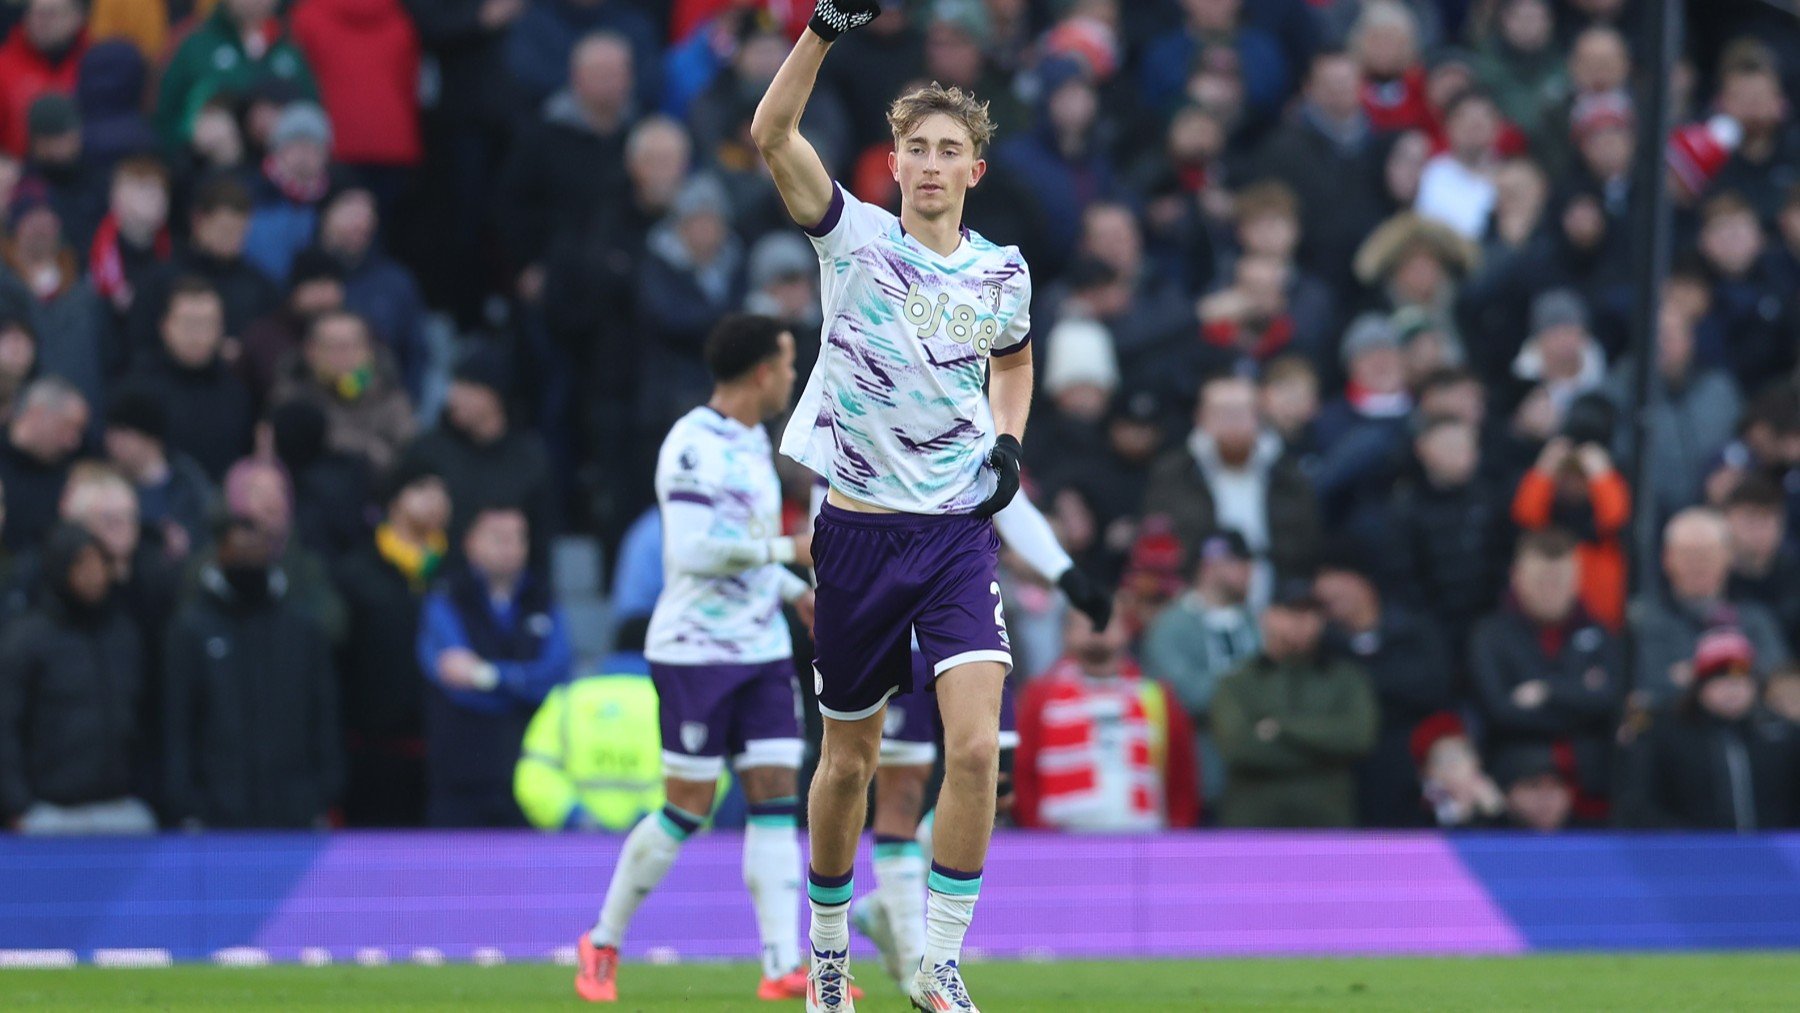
913,415
721,655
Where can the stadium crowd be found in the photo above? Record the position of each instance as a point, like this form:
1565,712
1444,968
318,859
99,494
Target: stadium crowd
321,323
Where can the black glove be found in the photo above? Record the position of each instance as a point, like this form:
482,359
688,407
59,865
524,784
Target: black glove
1086,596
1005,459
832,18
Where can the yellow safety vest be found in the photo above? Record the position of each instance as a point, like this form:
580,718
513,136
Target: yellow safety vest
593,755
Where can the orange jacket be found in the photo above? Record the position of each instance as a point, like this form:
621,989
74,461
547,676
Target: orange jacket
1601,563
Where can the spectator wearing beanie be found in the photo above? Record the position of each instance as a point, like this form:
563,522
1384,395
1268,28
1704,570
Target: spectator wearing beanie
331,488
1454,791
342,370
71,679
287,197
176,500
315,287
1080,377
241,44
43,275
1362,434
384,580
477,448
76,184
366,55
691,278
1719,762
209,408
43,54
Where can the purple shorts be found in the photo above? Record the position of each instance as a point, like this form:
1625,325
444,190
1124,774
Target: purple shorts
750,713
884,578
912,729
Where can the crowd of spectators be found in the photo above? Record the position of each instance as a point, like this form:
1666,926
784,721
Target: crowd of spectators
322,321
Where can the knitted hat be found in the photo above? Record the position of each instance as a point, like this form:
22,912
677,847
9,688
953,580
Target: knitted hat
1600,111
314,264
1434,729
1698,151
485,365
1368,333
1080,351
301,121
29,195
52,114
139,409
1723,650
780,255
1558,307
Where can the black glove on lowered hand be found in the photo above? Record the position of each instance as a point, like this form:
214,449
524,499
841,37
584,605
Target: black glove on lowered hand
832,18
1086,596
1005,459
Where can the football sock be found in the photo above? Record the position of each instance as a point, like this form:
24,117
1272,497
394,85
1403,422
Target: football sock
900,883
772,872
949,908
829,898
649,850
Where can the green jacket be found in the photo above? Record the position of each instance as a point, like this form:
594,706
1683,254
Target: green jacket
212,60
1326,716
592,757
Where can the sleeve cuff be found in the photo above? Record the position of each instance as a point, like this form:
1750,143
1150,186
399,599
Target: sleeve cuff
781,550
833,214
1024,343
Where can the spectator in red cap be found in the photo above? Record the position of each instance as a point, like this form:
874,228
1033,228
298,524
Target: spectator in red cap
1455,790
1720,762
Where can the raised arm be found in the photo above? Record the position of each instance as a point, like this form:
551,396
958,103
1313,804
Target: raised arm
806,188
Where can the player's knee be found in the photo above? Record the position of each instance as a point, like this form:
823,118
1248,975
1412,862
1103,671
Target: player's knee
848,761
971,753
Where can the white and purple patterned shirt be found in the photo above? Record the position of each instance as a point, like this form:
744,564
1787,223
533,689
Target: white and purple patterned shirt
896,413
721,508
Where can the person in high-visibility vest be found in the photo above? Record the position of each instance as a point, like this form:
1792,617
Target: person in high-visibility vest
593,752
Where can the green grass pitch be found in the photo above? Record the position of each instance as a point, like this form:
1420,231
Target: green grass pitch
1745,981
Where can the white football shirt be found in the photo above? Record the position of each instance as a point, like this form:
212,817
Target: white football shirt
721,508
896,413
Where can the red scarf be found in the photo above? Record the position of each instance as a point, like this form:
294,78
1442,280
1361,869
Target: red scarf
1069,763
1260,346
106,266
293,189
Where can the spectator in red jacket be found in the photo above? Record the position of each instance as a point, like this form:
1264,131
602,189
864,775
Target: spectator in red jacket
1101,748
366,56
41,55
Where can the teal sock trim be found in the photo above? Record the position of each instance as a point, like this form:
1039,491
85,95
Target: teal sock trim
898,850
784,821
674,829
937,882
829,896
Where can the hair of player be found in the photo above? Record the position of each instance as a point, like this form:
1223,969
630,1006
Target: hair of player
740,343
911,109
1550,543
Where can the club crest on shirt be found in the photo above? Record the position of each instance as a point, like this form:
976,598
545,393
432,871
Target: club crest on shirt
693,736
990,293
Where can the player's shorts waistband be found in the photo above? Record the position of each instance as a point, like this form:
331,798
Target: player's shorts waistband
859,519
